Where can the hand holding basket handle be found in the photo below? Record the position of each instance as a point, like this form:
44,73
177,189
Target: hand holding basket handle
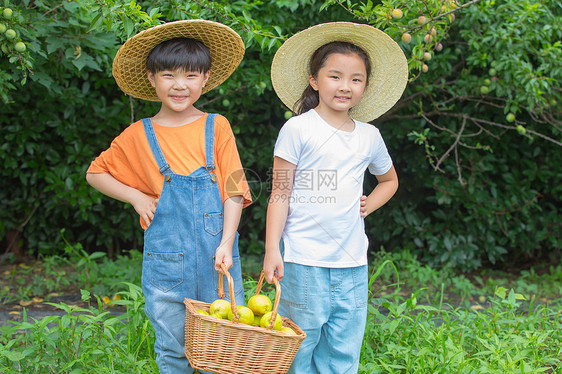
258,289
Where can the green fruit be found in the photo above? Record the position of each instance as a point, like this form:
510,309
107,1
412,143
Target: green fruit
3,28
492,72
484,89
427,56
486,82
10,34
8,13
288,114
521,130
263,85
510,117
226,102
20,47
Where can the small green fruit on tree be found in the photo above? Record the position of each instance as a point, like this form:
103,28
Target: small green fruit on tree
10,34
8,13
492,72
484,89
226,102
288,114
3,28
521,130
427,56
20,47
510,117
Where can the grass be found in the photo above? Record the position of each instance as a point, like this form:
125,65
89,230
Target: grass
456,323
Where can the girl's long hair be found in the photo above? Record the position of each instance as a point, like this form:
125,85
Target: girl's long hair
309,98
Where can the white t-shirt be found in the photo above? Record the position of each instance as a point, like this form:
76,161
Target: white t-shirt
324,226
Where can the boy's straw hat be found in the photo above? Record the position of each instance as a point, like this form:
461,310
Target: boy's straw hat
389,68
129,65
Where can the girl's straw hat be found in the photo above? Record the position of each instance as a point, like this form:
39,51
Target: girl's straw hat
389,71
129,65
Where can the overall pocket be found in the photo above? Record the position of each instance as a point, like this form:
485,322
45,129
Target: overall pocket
165,270
213,223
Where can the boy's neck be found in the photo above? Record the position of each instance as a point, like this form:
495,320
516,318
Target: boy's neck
170,118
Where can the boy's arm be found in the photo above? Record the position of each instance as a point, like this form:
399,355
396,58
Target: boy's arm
105,183
385,189
277,212
231,219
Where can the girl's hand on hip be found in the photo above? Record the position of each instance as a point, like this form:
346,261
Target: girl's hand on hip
363,206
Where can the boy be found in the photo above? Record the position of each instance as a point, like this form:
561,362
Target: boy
176,169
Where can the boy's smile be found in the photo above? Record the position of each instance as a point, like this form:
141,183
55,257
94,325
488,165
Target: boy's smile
178,89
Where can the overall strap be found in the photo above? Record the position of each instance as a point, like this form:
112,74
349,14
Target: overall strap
156,151
209,141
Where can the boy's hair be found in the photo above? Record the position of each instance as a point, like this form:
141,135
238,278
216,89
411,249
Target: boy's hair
179,53
309,98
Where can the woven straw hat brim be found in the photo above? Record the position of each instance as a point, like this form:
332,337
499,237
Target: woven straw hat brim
129,66
389,67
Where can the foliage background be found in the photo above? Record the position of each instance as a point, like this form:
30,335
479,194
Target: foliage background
476,190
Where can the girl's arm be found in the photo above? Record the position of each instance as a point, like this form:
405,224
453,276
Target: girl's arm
105,183
385,189
231,219
277,212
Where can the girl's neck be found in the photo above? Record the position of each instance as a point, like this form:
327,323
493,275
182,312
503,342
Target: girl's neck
338,120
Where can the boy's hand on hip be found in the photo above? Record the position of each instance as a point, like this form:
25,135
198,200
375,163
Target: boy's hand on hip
145,206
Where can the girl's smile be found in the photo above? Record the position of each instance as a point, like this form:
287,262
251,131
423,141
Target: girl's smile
340,84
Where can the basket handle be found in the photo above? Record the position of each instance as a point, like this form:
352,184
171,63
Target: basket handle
277,296
230,290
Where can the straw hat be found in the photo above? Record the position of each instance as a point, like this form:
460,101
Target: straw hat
129,65
389,71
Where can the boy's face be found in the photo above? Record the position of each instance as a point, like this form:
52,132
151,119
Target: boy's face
178,89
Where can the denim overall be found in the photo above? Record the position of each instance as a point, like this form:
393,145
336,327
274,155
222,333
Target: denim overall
179,249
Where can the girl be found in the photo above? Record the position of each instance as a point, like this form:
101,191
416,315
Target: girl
347,74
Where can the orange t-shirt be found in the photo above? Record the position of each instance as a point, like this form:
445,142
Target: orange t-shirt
129,159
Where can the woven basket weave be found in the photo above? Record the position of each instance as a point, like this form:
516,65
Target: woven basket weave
129,66
225,347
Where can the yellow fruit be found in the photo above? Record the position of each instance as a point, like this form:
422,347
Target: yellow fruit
201,311
260,304
106,300
288,330
257,320
266,321
245,314
220,307
396,13
216,315
406,38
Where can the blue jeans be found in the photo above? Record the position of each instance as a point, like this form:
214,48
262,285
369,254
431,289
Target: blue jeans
330,305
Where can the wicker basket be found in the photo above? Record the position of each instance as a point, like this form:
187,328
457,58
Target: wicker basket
226,347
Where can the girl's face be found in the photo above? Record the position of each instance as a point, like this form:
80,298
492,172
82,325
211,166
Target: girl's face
340,83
